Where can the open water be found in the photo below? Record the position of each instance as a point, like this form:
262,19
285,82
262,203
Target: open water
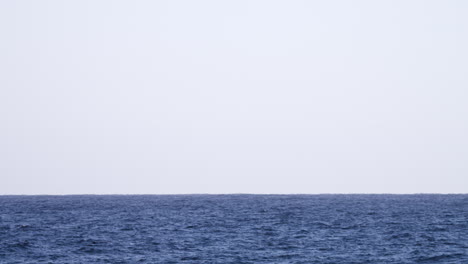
234,229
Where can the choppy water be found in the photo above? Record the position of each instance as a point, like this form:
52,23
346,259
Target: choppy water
234,229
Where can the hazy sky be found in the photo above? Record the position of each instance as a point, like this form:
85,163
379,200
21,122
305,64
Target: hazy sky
233,96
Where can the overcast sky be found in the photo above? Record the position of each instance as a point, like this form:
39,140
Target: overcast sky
233,97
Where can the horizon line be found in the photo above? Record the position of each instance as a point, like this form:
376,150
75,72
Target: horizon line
213,194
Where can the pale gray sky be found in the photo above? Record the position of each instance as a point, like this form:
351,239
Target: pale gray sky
233,96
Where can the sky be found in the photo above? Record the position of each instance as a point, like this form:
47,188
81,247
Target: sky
181,96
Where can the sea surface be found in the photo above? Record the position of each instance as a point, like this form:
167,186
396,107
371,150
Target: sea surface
234,229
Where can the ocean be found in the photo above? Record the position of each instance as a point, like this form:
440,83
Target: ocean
234,229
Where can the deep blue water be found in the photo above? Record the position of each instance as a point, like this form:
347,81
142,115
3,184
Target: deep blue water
234,229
